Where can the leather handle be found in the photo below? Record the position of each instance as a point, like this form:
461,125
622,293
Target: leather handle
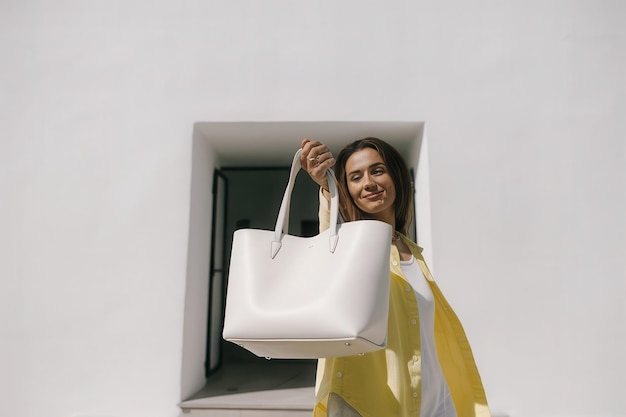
282,223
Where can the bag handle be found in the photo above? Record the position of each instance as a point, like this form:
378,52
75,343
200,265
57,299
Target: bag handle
282,223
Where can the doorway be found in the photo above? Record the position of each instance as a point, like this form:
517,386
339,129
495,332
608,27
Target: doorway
250,197
255,147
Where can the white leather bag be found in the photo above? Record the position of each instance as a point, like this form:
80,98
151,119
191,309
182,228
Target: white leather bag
315,297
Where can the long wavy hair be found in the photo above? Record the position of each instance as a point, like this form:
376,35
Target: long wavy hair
399,172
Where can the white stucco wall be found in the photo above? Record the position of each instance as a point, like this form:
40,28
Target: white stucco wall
524,103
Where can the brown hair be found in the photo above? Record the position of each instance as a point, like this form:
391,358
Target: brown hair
399,172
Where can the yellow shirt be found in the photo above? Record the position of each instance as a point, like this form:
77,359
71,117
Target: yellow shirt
387,383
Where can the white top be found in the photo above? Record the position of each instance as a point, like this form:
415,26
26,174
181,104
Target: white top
436,399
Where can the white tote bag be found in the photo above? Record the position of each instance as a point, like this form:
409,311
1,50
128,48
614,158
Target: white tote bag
315,297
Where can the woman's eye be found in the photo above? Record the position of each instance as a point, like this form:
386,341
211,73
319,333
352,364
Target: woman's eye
378,171
355,178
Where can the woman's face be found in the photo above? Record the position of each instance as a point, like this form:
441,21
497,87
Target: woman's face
370,184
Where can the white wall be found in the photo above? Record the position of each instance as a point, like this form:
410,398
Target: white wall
524,102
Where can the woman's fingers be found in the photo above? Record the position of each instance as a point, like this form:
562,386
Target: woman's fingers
315,153
316,159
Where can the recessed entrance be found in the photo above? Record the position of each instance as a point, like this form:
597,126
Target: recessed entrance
240,171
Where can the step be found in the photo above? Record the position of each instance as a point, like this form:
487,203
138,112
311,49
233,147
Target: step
268,388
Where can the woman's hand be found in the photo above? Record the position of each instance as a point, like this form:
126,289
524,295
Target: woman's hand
316,158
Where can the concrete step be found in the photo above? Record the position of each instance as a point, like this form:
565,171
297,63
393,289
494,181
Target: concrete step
268,388
294,402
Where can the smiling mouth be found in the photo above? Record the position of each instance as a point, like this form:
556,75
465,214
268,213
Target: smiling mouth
373,196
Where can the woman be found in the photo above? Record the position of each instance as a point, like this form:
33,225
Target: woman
427,368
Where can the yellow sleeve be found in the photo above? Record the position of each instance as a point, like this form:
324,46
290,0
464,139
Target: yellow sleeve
324,212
